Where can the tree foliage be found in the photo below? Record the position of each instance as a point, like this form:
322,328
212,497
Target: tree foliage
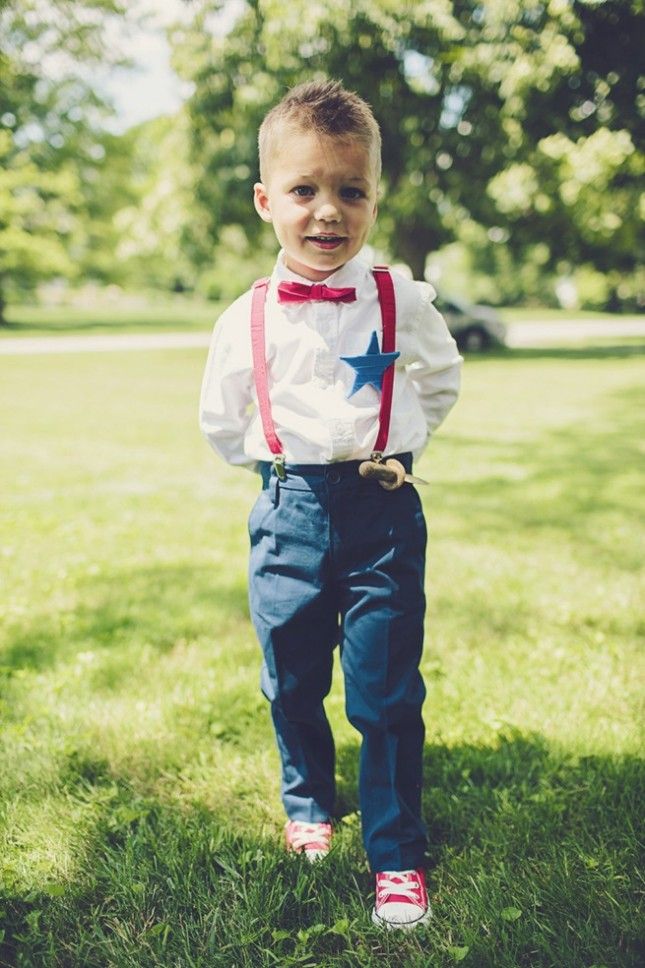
517,119
512,130
52,142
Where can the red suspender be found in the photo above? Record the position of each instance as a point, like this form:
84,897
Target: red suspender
387,303
260,367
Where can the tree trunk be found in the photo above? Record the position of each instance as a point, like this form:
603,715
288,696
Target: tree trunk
414,239
413,253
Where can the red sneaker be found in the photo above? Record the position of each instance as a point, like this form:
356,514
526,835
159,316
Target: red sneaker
401,900
311,839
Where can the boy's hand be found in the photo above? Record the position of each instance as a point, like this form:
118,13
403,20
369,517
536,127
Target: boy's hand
390,474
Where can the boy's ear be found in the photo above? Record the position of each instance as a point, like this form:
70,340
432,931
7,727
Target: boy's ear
261,202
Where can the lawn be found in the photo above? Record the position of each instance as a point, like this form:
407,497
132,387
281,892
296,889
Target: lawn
132,315
140,822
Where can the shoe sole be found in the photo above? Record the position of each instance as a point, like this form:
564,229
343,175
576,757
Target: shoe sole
314,856
402,925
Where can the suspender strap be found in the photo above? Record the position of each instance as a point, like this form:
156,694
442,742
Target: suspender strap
387,303
260,367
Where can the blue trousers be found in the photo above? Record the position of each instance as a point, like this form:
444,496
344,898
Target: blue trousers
336,559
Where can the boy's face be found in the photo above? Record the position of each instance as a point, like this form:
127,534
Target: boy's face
320,196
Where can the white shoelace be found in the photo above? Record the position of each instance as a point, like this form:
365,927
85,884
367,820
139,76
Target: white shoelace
314,833
408,887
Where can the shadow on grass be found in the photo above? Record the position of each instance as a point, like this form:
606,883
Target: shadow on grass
533,857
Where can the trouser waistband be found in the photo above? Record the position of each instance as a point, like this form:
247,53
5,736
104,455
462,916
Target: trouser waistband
332,472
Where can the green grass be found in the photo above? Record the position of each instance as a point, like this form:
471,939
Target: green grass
136,315
140,822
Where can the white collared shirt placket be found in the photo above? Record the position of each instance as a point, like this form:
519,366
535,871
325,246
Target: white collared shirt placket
331,318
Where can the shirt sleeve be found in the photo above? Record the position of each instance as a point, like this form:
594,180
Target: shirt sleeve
227,403
436,371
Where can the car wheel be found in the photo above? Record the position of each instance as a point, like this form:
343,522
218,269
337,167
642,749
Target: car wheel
474,340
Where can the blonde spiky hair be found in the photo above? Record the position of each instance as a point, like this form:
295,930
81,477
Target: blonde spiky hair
326,108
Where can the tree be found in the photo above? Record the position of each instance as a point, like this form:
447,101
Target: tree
570,186
51,139
238,74
488,108
156,203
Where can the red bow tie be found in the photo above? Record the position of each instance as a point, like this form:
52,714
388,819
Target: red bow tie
299,292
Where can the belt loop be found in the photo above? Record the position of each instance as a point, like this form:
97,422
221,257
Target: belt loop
274,489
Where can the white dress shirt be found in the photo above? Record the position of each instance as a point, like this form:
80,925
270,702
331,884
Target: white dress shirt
316,416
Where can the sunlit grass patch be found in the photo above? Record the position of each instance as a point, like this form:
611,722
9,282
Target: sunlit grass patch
44,839
134,315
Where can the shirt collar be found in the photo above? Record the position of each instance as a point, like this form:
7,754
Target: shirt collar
351,274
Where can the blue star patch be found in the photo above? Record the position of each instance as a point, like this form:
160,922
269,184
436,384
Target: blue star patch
371,366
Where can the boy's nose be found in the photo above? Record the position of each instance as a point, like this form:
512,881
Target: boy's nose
327,213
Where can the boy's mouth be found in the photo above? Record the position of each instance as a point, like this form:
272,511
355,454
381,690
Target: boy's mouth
325,241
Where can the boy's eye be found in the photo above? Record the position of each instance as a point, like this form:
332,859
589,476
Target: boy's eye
352,193
303,191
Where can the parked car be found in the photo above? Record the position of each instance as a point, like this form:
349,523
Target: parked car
475,328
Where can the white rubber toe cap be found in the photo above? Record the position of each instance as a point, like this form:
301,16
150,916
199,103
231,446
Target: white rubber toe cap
394,915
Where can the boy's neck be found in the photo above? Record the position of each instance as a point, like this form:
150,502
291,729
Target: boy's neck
313,275
310,275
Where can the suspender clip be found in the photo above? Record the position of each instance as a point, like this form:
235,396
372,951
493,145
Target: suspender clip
278,463
376,456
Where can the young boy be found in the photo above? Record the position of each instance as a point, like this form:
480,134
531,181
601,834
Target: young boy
313,374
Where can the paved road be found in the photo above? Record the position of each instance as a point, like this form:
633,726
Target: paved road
574,331
103,343
524,335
